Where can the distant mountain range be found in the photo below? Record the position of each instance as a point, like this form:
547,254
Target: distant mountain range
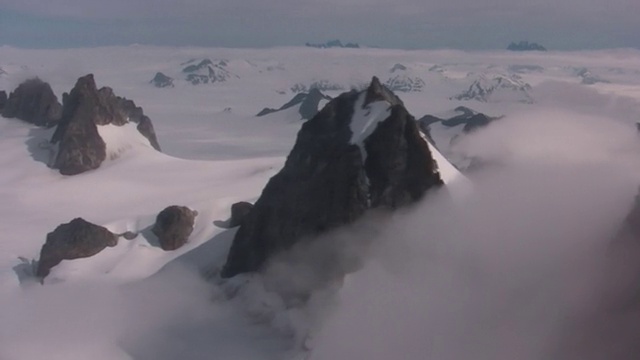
333,44
525,46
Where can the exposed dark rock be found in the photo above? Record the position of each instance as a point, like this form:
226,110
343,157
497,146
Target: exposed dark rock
470,119
525,46
308,104
76,239
239,212
173,226
476,121
80,146
405,83
161,80
33,101
327,182
589,78
497,87
3,100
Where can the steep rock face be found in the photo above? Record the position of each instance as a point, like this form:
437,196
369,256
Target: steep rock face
362,150
308,102
76,239
80,147
173,226
33,101
3,100
161,80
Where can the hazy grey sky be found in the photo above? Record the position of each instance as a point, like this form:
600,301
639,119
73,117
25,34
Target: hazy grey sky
467,24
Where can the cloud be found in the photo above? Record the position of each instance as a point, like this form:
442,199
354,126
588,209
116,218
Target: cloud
518,271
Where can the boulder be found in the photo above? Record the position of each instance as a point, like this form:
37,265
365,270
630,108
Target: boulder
76,239
334,174
80,147
173,226
33,101
239,211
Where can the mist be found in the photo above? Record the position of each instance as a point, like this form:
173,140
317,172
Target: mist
518,270
514,269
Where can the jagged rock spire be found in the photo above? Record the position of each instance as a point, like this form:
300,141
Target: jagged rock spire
327,182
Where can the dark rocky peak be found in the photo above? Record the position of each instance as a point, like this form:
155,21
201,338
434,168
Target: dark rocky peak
525,46
207,72
161,80
195,67
308,104
80,147
33,101
378,92
352,156
74,240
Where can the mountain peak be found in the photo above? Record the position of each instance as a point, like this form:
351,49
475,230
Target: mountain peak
378,92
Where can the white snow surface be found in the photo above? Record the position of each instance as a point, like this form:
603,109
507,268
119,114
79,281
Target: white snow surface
136,301
122,139
365,120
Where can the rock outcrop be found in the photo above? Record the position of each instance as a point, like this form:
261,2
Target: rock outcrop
468,118
33,101
588,78
161,80
3,100
173,226
405,83
308,102
239,212
80,147
207,71
362,150
76,239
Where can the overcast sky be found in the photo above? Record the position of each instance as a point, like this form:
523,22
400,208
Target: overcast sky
464,24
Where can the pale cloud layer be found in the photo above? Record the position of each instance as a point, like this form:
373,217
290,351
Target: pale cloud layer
401,23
